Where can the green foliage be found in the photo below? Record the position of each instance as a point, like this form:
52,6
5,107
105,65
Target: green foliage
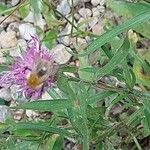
106,37
2,8
85,107
128,10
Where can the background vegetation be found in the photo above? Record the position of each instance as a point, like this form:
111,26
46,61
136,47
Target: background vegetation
86,110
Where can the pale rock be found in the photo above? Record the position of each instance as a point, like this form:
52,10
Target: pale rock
95,12
2,60
8,39
85,1
85,12
61,54
14,26
64,7
98,28
36,19
14,2
69,74
7,21
27,30
46,96
17,94
65,39
15,52
5,94
67,30
14,91
31,114
75,2
22,44
116,109
95,2
4,113
1,29
102,2
18,114
82,24
101,9
93,22
79,43
77,16
88,39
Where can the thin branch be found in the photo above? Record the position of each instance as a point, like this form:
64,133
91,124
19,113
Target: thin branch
72,13
12,11
61,15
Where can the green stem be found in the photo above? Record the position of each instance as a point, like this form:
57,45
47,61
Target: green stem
136,142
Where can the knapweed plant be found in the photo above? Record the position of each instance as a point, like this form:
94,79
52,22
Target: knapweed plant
102,106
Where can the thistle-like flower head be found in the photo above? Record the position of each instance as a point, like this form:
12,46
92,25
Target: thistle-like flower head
33,71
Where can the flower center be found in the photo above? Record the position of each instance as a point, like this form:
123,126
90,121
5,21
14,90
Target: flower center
33,81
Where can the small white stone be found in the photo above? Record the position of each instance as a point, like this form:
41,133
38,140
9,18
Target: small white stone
85,1
5,94
82,24
18,114
36,19
93,22
14,2
85,12
98,28
79,43
14,26
102,2
95,12
77,16
62,56
22,44
8,39
75,2
27,30
101,9
65,39
31,114
95,2
4,113
16,93
9,20
15,52
46,96
2,60
64,7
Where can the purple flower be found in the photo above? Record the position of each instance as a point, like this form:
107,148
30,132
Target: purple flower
33,71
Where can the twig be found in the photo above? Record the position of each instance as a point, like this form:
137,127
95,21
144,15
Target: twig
80,31
12,11
72,13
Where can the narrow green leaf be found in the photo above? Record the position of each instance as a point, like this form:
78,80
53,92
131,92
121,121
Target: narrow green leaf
36,5
59,143
46,105
118,98
116,59
39,126
127,75
100,96
128,10
4,68
147,118
63,84
135,116
49,38
106,37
